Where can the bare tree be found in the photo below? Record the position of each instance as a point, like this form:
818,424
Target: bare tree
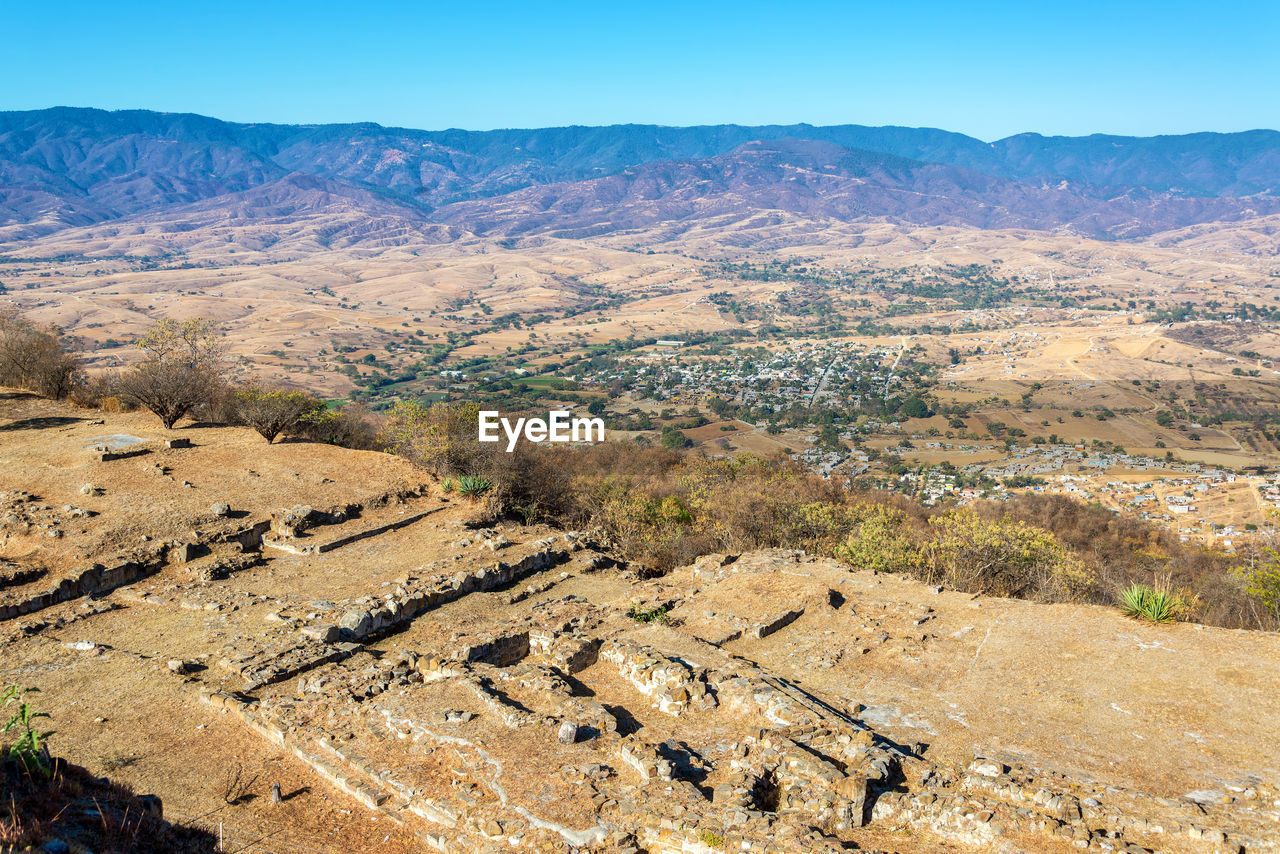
35,359
180,372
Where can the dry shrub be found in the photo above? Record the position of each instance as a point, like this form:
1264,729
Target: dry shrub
35,359
1121,551
351,426
99,391
1002,558
660,508
272,411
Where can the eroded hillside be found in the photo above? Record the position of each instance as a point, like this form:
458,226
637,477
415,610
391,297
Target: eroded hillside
213,607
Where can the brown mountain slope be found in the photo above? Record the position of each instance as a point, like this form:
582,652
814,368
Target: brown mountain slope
825,181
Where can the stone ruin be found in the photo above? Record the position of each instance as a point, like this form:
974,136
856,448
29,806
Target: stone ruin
506,698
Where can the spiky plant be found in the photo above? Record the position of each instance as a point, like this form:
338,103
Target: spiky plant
446,485
473,486
1150,603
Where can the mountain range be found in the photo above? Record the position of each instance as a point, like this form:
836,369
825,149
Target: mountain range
69,167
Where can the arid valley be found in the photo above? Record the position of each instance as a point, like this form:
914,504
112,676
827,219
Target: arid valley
937,509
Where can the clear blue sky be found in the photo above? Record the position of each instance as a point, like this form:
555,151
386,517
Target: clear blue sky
986,69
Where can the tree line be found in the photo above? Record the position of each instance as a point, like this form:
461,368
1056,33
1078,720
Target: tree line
181,375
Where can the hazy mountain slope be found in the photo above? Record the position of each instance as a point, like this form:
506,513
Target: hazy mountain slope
68,167
826,181
1199,164
298,213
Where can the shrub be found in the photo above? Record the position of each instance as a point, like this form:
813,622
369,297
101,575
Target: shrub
349,426
35,359
1261,579
440,437
272,411
881,542
1153,604
98,392
1001,558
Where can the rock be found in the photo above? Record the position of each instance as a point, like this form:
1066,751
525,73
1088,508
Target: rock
88,489
177,665
80,646
568,733
987,768
221,509
324,633
55,846
497,543
152,805
353,621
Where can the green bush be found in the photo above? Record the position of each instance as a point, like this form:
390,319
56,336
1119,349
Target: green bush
1001,557
881,543
648,615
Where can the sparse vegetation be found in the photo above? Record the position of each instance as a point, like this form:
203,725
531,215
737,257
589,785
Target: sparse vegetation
649,615
710,838
28,749
235,784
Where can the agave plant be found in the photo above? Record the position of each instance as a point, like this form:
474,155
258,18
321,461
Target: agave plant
473,486
446,485
1150,603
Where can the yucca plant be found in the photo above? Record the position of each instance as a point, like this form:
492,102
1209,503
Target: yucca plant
1150,603
473,486
446,485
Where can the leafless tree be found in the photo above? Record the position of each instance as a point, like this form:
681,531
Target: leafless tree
180,372
35,359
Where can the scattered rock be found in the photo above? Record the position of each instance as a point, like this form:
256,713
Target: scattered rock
987,768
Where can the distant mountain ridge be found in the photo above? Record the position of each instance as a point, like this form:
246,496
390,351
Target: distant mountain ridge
66,167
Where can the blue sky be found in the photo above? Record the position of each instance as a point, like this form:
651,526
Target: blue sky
986,69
